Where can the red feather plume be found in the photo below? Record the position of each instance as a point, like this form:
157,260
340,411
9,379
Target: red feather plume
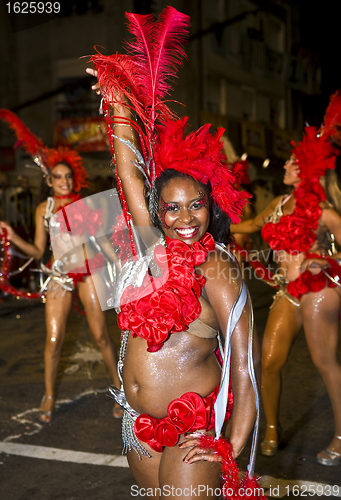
25,139
153,59
200,155
159,51
315,154
332,118
143,78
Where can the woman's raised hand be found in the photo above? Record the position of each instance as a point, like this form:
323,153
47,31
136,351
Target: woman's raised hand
93,72
118,101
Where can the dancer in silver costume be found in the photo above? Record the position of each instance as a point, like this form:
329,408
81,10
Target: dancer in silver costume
65,176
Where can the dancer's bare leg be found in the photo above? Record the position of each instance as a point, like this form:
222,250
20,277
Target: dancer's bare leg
321,320
282,327
203,477
98,326
57,308
146,470
167,473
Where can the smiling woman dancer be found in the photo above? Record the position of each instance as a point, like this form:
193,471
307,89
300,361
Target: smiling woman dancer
65,176
169,367
299,227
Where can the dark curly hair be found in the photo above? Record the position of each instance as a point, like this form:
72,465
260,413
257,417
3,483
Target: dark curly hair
219,225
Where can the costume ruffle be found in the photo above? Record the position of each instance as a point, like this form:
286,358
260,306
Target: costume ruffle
234,488
296,232
167,304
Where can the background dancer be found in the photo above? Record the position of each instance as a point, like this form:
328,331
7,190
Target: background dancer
64,176
300,228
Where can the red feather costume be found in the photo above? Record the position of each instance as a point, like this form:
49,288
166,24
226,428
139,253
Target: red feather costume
142,77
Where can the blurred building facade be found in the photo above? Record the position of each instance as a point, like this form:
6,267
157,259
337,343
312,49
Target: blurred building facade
246,71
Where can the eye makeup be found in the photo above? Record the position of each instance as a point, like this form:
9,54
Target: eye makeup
202,202
165,207
172,207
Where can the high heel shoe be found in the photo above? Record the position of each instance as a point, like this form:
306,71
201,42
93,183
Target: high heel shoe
45,416
269,447
334,458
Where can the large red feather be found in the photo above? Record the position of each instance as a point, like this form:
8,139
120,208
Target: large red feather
153,59
332,118
25,139
159,50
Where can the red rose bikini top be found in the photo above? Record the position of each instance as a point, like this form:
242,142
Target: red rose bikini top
169,303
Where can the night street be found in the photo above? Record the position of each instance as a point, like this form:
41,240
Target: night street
121,120
78,455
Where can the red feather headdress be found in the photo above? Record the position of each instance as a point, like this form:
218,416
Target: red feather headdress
200,155
316,152
46,158
142,77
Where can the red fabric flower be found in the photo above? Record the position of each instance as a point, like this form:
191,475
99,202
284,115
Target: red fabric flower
190,412
186,411
144,428
166,434
166,305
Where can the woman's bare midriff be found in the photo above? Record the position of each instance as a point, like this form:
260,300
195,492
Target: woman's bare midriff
185,363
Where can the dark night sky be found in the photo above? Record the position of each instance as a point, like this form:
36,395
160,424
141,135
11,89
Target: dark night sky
320,28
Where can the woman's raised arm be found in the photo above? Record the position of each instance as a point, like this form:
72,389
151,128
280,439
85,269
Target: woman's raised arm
131,177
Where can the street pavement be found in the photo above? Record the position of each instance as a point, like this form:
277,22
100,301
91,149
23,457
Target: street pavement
78,455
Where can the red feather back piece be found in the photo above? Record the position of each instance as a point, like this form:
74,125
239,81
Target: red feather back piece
25,139
332,118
